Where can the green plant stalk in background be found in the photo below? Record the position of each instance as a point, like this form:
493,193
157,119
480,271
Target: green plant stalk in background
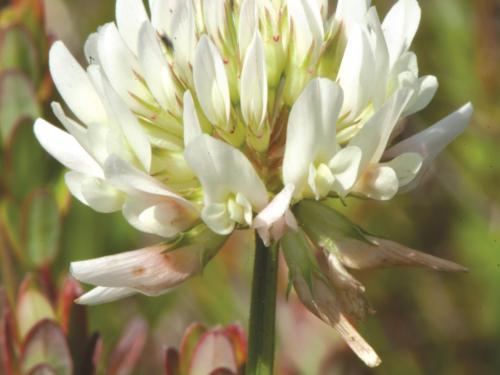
262,323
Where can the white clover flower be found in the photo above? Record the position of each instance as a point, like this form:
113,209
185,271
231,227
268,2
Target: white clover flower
210,116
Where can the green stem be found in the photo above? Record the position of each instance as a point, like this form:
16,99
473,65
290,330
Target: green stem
263,310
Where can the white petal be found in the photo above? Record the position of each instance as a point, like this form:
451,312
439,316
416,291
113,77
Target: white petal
183,35
378,182
253,91
273,213
132,180
345,168
400,26
351,13
130,127
73,84
150,270
192,127
307,26
247,25
155,69
311,133
356,73
120,66
425,89
430,142
217,218
158,215
130,15
99,295
222,170
406,166
66,149
380,70
213,351
163,13
373,137
90,49
211,83
214,13
94,192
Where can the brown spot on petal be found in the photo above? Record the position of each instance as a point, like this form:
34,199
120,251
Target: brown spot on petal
138,271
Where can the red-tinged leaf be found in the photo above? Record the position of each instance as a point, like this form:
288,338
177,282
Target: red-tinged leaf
191,337
172,362
70,291
128,352
32,307
8,359
73,318
214,350
46,344
240,344
223,371
42,369
93,353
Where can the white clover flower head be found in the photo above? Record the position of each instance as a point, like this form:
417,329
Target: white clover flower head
210,116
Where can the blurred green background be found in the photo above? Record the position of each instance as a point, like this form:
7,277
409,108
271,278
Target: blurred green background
426,323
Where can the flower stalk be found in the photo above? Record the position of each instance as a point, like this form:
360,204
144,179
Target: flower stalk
263,310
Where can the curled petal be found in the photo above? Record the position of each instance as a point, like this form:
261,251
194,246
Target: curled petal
406,166
94,192
378,182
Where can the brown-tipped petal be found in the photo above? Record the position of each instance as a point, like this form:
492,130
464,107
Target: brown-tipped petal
151,270
384,253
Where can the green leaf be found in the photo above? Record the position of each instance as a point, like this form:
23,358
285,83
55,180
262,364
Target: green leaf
18,51
17,101
46,344
41,228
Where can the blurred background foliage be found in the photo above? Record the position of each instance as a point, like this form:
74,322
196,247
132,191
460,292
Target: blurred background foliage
426,323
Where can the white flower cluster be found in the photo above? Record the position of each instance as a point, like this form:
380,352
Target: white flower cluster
213,115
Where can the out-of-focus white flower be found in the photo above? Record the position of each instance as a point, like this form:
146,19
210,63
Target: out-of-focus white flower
206,117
